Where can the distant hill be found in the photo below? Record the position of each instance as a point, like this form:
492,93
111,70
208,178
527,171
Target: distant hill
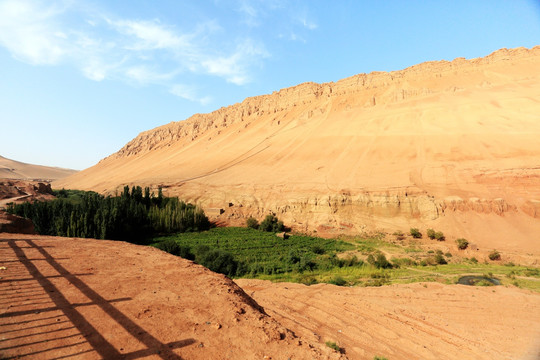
450,145
11,169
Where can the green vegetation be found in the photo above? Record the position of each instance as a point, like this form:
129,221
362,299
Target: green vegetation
263,253
494,255
252,223
183,230
132,216
415,233
271,224
334,346
462,244
379,358
435,235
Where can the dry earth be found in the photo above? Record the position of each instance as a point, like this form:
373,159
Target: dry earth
86,299
89,299
447,145
11,169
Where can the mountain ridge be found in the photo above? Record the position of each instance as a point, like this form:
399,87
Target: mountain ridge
451,145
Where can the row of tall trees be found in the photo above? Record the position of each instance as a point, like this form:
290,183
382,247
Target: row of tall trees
132,216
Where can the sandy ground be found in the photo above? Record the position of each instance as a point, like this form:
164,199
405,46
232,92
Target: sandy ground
445,145
12,169
417,321
88,299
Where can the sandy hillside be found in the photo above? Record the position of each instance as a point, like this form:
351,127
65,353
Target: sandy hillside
89,299
11,169
416,321
451,145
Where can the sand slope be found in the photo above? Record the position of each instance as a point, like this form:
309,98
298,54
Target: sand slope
91,299
417,321
451,145
11,169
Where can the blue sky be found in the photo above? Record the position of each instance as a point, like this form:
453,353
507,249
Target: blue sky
80,78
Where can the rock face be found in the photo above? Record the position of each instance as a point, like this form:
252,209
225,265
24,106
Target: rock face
420,146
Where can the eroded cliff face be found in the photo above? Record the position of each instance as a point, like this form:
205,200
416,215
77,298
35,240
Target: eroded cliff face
368,90
433,141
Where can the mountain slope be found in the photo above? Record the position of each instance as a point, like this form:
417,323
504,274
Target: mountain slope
11,169
437,144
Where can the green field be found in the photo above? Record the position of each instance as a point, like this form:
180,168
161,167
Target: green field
310,260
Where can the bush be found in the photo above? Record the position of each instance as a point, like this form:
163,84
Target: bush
439,236
337,280
271,224
252,223
439,259
494,255
462,244
333,345
435,235
173,248
415,233
218,261
399,235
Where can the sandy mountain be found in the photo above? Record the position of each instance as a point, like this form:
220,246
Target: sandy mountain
451,145
11,169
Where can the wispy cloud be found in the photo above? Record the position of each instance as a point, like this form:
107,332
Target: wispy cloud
189,93
30,33
104,47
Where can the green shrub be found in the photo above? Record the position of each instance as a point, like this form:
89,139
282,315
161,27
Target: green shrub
435,235
415,233
494,255
380,262
334,346
462,244
399,235
473,260
252,223
271,224
173,248
439,259
379,358
439,236
318,249
218,261
337,280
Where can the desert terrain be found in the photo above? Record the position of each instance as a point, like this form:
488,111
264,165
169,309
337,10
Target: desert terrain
88,299
451,145
12,169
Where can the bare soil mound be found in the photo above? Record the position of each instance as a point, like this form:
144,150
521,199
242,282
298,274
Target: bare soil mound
451,145
89,299
416,321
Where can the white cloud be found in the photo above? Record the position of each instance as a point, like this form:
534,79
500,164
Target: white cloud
28,32
308,24
233,67
188,93
151,35
144,51
143,74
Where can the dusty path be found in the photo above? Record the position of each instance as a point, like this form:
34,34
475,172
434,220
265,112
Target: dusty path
93,299
416,321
